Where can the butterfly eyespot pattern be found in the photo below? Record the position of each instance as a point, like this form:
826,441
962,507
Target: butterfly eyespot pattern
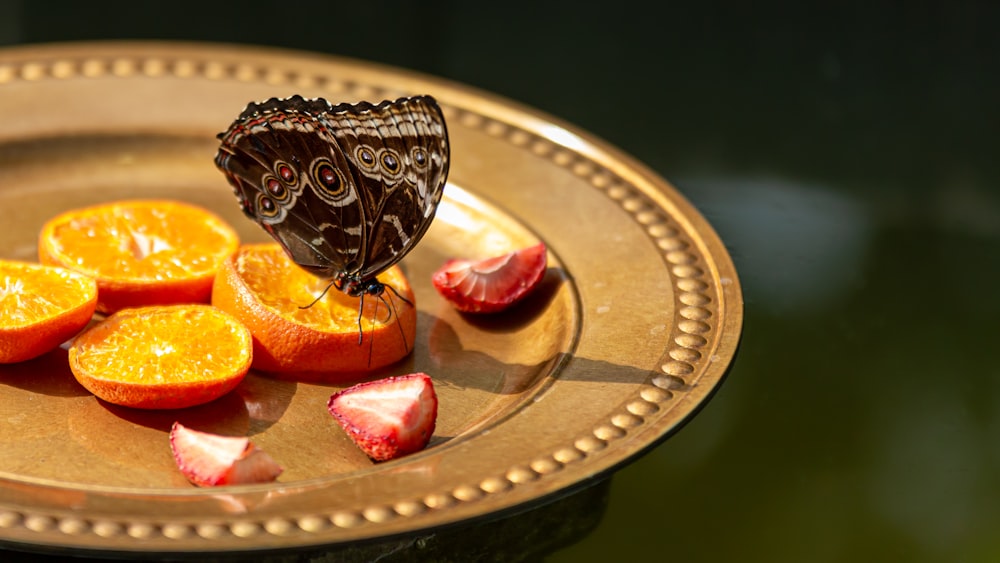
328,181
285,172
275,188
346,189
419,157
389,160
366,157
266,207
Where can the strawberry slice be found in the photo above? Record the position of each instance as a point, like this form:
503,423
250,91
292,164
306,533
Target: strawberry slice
491,285
208,460
389,417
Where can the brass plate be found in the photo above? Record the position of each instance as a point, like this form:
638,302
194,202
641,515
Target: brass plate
634,327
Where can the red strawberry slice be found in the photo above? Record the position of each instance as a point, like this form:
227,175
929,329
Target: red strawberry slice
208,460
389,417
492,284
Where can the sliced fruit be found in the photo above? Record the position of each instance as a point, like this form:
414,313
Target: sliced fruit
162,357
40,308
210,460
141,252
389,417
492,284
271,295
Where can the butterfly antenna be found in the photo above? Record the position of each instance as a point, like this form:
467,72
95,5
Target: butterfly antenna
315,301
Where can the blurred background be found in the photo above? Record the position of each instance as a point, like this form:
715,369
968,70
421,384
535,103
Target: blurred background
847,156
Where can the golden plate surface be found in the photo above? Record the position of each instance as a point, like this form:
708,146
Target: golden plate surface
636,322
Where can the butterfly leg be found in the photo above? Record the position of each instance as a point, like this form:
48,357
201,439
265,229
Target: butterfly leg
397,294
315,301
361,311
393,312
371,339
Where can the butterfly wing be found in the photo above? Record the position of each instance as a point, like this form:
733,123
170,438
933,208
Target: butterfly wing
401,153
347,190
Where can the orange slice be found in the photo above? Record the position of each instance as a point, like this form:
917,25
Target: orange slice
265,290
162,357
40,308
142,252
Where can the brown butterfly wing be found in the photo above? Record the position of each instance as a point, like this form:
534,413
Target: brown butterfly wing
401,153
347,190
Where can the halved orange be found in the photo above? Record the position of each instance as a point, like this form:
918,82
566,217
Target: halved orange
141,252
271,295
40,308
162,357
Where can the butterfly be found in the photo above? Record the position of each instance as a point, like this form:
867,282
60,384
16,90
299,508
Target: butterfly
347,190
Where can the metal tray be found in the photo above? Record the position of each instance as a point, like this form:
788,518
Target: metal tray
636,322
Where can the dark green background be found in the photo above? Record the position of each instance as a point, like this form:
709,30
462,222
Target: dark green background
847,157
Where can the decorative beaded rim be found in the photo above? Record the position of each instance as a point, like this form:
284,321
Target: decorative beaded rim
704,334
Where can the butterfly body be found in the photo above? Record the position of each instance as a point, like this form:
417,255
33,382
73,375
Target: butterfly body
347,189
